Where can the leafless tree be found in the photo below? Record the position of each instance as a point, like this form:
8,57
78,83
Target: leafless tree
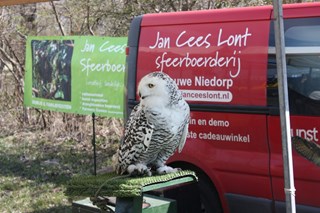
74,17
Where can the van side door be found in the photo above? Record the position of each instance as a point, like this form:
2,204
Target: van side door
302,38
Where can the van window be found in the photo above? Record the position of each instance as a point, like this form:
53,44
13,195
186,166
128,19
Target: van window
303,67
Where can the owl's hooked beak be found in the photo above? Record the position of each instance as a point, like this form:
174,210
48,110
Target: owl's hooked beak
142,97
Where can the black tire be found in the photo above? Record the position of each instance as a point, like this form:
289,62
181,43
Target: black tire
210,202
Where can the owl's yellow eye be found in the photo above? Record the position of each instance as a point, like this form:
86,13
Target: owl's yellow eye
150,85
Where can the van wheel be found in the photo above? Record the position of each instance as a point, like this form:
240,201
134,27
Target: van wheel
203,194
210,202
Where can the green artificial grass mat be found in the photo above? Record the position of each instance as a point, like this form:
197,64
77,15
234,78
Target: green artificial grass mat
113,185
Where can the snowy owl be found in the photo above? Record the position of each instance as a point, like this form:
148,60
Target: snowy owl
156,127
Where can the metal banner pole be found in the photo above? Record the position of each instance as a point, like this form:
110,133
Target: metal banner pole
94,145
284,108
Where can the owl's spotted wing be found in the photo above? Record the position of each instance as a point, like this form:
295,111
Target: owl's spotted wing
308,149
136,140
183,137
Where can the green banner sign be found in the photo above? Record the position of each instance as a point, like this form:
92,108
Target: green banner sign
81,75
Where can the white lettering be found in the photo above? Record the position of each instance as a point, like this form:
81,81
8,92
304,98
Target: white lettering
88,47
183,82
193,41
213,82
161,42
106,47
238,40
186,61
309,134
88,66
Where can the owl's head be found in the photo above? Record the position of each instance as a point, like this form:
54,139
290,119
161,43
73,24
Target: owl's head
158,89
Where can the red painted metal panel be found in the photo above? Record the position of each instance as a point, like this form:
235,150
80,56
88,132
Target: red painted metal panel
216,63
219,57
211,63
233,155
302,10
208,16
307,174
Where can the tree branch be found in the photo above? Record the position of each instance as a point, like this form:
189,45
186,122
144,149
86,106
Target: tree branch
57,18
8,58
172,5
17,60
18,80
88,18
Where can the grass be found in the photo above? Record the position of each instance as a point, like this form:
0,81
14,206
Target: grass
37,159
34,171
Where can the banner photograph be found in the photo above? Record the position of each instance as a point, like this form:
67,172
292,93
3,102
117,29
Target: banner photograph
81,75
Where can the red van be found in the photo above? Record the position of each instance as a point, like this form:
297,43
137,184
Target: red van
224,62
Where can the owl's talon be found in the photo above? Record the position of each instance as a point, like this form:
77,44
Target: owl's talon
138,170
166,170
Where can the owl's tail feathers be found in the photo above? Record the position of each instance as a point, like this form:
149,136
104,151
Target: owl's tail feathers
120,169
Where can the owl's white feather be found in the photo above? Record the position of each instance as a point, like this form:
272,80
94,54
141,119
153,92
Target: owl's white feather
156,127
